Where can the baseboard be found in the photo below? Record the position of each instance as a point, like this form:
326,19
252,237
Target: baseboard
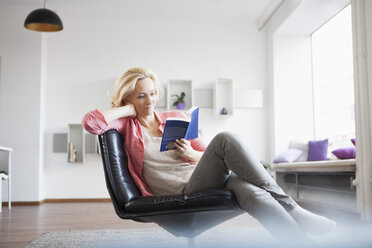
77,200
24,203
67,200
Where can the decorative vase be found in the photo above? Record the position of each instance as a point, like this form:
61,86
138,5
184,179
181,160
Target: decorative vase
223,111
181,105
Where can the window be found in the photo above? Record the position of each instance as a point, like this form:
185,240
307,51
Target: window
333,84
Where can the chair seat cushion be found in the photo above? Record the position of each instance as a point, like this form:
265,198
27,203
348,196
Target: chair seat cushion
210,199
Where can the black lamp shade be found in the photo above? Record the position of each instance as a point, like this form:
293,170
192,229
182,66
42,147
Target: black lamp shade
43,20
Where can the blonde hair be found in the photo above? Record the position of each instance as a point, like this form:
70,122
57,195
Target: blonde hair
126,83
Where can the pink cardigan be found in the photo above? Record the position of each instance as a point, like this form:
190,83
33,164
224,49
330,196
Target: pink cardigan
130,128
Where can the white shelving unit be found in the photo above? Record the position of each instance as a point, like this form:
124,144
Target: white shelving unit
76,137
81,141
223,97
176,87
6,174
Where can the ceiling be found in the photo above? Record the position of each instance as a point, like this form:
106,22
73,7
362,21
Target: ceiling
179,9
250,10
310,15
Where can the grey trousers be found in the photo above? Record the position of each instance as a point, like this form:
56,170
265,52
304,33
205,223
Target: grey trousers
227,163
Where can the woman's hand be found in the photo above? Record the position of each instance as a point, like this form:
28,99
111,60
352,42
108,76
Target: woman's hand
185,150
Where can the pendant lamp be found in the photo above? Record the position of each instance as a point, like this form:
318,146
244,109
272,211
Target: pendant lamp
43,20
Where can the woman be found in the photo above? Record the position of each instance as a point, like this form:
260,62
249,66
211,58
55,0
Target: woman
225,163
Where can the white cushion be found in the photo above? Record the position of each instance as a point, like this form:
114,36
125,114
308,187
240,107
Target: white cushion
304,146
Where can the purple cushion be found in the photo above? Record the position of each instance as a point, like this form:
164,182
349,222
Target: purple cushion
353,141
288,156
317,150
345,153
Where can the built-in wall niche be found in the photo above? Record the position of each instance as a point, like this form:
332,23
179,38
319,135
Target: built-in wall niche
76,143
176,87
223,98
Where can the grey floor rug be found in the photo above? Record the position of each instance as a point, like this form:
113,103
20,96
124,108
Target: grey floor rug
153,238
214,238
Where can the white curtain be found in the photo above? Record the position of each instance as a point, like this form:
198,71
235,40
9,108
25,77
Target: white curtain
362,44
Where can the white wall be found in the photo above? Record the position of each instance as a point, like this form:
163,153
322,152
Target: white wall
87,56
20,94
272,26
68,73
49,80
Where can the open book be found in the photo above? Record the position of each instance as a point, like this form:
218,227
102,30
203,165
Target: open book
178,128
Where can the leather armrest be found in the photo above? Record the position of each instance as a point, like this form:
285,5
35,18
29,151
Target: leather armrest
118,179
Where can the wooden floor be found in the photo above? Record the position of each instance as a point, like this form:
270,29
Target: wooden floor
22,224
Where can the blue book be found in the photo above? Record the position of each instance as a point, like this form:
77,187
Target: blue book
177,128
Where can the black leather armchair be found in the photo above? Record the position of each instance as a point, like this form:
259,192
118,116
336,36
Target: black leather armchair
181,215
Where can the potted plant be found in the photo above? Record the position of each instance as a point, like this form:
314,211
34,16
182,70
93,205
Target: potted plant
179,101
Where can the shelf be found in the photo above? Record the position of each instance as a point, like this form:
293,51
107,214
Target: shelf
224,98
60,144
76,139
175,87
221,96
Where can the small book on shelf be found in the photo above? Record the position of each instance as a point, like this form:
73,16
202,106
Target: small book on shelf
178,128
71,153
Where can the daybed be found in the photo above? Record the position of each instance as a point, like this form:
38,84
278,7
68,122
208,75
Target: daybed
328,183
